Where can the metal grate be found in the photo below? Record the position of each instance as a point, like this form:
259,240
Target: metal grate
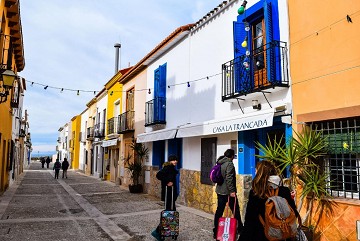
343,161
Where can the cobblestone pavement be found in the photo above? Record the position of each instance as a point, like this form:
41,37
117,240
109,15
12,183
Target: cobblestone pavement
41,208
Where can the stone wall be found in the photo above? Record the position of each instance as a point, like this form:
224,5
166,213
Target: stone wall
203,197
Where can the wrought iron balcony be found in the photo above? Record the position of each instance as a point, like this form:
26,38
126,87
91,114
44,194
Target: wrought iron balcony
127,120
90,133
264,69
112,126
99,130
155,111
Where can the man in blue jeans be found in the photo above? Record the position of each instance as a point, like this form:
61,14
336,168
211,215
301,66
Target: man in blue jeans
226,189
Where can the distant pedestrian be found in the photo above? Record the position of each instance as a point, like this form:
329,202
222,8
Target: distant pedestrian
42,160
64,167
57,167
47,162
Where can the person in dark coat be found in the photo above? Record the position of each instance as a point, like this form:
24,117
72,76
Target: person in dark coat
167,175
57,167
64,167
227,191
266,178
42,160
48,162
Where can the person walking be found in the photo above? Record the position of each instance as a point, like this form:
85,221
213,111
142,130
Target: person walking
47,162
42,160
57,167
64,167
167,176
266,180
227,191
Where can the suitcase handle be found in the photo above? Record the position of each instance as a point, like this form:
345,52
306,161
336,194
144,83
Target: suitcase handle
228,207
172,197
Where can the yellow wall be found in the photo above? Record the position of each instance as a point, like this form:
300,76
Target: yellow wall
325,74
5,109
324,59
116,91
76,127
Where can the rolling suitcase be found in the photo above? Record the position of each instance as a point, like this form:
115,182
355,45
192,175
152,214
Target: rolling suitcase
227,226
169,220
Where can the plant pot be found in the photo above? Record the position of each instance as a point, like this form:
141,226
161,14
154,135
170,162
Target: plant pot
136,188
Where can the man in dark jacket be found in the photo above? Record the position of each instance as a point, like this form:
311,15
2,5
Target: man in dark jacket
227,190
167,176
48,162
64,167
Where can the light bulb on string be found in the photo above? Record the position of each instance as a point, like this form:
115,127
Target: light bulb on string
62,89
149,92
244,43
188,84
247,27
241,9
32,83
78,92
169,86
46,87
247,53
94,92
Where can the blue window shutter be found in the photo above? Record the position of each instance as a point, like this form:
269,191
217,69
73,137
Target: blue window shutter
239,36
270,53
156,82
160,93
240,74
162,84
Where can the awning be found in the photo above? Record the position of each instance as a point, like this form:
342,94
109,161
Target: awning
255,120
157,135
112,142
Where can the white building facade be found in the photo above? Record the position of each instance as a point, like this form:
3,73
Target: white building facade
99,134
82,149
210,92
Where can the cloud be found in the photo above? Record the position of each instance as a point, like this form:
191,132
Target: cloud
70,44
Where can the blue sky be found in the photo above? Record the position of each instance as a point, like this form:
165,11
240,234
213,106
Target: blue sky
70,44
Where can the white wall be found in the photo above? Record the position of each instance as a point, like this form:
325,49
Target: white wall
84,118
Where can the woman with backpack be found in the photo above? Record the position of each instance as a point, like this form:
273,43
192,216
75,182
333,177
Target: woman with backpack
267,184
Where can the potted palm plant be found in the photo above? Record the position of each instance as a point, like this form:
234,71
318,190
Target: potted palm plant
303,156
135,166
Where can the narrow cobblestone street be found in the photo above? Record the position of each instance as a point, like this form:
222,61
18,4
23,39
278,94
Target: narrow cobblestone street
39,207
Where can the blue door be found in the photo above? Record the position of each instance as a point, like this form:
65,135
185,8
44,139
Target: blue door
175,148
160,93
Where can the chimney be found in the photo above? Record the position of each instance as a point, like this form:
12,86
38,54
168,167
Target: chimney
117,57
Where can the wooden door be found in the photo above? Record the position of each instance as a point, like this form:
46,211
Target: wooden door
259,54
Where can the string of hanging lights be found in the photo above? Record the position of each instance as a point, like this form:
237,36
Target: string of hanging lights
62,89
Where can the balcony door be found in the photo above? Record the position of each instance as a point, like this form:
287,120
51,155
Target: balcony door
259,54
130,109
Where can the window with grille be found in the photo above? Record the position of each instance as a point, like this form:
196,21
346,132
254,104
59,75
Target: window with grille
343,161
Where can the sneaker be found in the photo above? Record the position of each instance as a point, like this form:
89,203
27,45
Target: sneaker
156,235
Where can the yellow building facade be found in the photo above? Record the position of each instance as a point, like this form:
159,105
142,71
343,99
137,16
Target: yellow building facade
75,152
12,58
112,142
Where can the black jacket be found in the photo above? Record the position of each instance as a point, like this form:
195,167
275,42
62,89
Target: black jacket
65,165
167,174
253,229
